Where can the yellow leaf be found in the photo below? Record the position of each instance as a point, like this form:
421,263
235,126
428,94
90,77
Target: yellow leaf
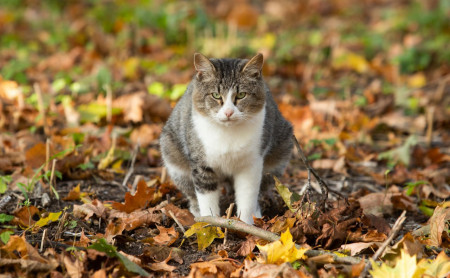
417,80
405,267
53,216
131,67
109,158
349,60
440,267
281,251
205,234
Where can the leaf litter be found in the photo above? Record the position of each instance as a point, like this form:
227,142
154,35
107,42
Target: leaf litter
369,105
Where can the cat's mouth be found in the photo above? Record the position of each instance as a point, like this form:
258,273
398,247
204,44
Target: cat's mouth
228,121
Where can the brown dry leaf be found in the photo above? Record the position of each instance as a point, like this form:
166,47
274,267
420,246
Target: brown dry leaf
9,89
74,194
243,15
137,218
24,216
257,270
161,253
143,197
140,106
87,210
26,251
162,266
411,245
74,268
247,246
379,223
358,247
84,241
113,229
437,225
378,203
145,134
166,236
184,216
101,273
217,268
35,156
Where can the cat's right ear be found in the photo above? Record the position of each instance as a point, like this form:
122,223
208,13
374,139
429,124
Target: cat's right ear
203,65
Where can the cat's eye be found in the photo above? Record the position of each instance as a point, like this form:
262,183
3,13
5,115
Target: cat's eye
241,95
216,95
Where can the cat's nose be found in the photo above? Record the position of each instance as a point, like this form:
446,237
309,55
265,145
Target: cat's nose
228,112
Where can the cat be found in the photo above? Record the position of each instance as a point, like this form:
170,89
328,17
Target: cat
226,128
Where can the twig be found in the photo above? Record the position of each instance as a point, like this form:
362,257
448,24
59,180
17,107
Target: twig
395,229
131,170
109,97
229,211
42,241
323,185
47,154
177,221
41,107
269,236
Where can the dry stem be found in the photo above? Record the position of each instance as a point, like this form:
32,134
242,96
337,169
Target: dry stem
269,236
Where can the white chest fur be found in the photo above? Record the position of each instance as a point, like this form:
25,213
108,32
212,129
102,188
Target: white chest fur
230,148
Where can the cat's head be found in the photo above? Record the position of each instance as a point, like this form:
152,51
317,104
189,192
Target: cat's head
229,91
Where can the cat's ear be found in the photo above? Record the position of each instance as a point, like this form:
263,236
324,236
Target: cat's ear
203,65
254,66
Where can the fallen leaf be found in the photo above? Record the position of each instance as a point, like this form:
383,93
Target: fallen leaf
166,236
358,247
439,267
281,251
52,217
143,197
87,210
184,216
405,267
205,235
74,268
74,194
20,245
24,216
137,218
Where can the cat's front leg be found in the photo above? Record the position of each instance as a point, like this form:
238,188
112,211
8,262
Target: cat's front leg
207,190
246,186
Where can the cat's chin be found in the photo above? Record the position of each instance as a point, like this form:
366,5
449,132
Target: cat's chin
228,122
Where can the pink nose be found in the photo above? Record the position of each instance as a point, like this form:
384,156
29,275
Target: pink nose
228,112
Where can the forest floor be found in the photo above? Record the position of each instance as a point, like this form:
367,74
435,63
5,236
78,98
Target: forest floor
85,89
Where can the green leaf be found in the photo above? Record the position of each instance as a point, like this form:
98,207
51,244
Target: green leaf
111,251
177,91
4,180
4,237
94,112
5,218
401,154
156,88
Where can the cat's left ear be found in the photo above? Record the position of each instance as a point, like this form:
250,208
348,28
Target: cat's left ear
254,66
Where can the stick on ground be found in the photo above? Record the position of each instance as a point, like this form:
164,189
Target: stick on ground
269,236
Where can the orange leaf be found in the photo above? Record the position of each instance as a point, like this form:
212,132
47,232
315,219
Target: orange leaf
143,196
74,194
166,236
24,216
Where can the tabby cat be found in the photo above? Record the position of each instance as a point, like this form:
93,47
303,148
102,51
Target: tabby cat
226,129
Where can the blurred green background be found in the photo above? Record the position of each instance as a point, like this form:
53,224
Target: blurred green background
316,48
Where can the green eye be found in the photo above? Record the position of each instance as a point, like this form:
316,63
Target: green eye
241,95
216,95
